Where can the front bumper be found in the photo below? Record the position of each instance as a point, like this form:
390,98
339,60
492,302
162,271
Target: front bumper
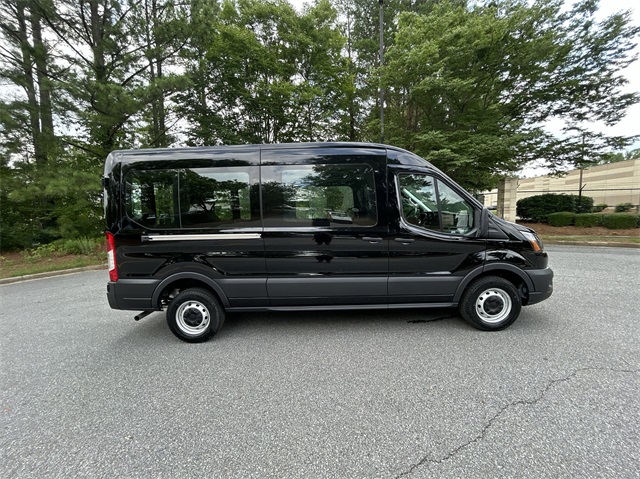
542,280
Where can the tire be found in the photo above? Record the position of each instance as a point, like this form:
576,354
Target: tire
195,315
490,303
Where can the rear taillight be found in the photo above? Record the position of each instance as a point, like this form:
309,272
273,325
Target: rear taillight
111,257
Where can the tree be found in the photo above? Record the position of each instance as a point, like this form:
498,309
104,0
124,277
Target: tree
161,29
269,75
470,86
26,63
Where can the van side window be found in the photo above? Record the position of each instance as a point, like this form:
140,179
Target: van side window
319,195
431,204
191,197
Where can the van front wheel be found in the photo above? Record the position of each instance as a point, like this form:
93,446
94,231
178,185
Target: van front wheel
195,315
490,303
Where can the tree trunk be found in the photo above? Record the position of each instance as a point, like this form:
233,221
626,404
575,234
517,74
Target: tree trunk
44,85
29,83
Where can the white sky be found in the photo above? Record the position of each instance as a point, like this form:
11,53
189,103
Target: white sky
630,125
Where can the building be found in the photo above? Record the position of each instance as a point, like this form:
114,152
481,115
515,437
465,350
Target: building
610,184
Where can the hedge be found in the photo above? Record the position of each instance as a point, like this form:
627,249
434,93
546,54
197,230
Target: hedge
620,221
538,208
600,207
623,207
563,218
588,219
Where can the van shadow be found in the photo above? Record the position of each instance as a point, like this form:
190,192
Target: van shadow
330,322
154,329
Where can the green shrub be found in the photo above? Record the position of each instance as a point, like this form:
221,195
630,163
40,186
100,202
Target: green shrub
84,245
623,207
588,219
42,251
620,221
600,207
563,218
538,208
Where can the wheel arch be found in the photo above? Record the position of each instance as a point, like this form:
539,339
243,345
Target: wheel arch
186,280
513,274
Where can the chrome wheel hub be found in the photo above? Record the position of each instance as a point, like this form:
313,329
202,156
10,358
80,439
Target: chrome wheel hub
193,318
493,305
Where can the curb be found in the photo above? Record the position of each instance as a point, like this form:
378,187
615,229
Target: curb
49,274
592,243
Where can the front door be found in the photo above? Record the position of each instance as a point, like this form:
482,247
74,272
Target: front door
432,242
324,230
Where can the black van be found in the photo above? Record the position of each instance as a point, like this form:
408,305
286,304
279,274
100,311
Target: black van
322,226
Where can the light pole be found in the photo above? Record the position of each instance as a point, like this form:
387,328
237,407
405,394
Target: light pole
381,62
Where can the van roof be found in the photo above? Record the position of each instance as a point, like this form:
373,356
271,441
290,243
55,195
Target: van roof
132,155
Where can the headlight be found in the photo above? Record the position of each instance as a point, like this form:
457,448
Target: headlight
533,239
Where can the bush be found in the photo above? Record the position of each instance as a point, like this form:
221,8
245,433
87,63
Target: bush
588,220
538,208
600,207
623,207
620,221
84,245
563,218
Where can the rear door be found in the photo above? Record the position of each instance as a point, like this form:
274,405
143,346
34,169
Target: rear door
198,213
325,228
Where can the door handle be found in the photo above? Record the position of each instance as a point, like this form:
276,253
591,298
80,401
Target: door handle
404,240
372,239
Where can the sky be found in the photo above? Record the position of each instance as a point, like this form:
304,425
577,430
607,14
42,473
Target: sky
630,125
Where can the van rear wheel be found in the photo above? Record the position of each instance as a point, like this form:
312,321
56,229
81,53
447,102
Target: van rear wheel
195,315
490,303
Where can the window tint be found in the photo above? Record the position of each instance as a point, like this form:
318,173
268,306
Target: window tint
320,195
191,198
431,204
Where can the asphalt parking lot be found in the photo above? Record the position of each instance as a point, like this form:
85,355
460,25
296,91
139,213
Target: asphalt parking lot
88,392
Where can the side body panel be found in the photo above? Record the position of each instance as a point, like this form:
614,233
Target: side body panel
338,253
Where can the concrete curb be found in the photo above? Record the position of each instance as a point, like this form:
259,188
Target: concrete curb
49,274
592,243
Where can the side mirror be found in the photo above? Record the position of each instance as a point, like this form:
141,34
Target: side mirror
483,230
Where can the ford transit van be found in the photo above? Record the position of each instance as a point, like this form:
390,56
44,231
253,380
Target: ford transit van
199,232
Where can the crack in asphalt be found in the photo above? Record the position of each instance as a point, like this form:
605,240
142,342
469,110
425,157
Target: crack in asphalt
487,426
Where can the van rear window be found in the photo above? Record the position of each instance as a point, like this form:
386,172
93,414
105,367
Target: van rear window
190,197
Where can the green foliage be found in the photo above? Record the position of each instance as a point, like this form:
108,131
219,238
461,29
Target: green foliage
599,207
538,208
280,76
43,202
588,220
468,84
620,221
623,207
562,218
79,246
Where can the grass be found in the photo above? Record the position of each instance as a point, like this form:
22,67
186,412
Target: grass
56,256
21,264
